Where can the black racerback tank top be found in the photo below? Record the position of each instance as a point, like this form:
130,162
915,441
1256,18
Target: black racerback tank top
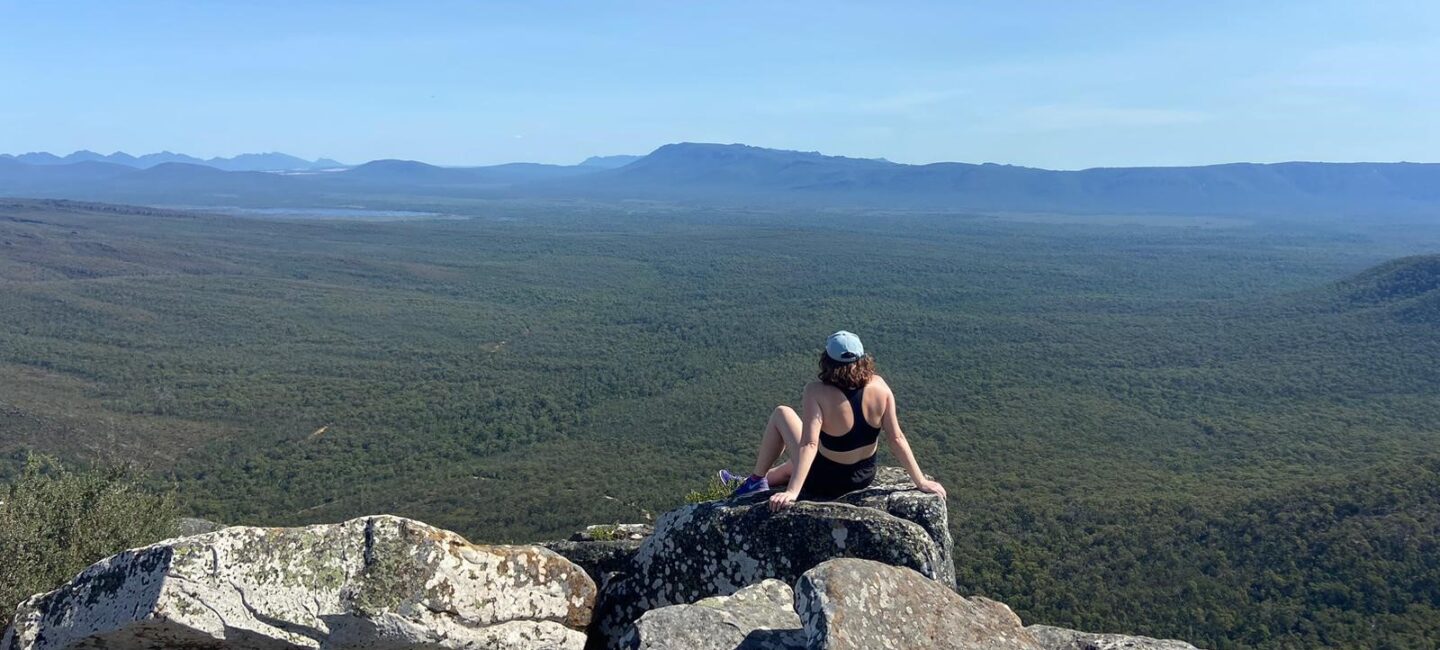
861,434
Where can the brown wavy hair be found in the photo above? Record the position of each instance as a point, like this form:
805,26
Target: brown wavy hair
846,376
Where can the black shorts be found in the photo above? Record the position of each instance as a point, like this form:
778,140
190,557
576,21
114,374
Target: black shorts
828,479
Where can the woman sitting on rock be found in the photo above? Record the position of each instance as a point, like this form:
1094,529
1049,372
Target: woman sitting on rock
832,449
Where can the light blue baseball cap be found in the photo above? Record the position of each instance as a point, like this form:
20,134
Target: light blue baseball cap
844,347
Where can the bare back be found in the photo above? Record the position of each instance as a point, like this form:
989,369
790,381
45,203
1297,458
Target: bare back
836,416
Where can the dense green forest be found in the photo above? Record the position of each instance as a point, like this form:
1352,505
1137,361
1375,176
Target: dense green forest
1217,430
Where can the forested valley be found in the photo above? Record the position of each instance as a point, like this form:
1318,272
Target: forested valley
1222,430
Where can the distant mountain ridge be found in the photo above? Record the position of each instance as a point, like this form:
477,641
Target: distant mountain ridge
737,174
736,171
245,162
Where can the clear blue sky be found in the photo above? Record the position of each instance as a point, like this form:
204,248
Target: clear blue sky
1061,84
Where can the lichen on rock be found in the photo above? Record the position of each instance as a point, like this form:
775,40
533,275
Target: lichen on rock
375,582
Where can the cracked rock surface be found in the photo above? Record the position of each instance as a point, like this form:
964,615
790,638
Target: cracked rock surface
759,617
377,583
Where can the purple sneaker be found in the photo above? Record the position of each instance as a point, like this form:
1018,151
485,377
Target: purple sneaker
751,485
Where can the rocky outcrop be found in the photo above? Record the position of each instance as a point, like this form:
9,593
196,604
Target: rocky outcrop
1054,638
758,617
718,547
853,604
870,571
602,550
377,582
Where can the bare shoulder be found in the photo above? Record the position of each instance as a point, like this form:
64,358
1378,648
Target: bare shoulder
879,383
814,387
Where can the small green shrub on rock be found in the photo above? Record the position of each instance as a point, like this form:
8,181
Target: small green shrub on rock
714,489
55,522
603,533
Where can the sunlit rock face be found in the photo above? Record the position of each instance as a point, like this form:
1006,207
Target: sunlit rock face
376,582
853,604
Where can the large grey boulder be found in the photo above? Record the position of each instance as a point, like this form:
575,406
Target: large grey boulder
718,547
1055,638
759,617
854,604
377,583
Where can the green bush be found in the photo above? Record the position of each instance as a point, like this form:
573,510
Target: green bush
55,522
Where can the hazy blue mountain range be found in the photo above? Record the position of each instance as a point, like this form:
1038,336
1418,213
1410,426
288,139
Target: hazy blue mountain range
412,173
745,175
686,170
253,162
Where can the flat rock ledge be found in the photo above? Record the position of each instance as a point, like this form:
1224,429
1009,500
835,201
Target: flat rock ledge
378,583
610,532
603,550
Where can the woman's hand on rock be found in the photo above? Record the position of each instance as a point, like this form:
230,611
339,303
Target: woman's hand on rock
782,500
933,487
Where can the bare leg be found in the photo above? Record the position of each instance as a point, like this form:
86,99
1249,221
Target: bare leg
781,432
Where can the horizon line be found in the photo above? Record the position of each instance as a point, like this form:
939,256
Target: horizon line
121,152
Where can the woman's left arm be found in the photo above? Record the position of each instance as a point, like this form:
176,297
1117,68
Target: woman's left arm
805,455
901,448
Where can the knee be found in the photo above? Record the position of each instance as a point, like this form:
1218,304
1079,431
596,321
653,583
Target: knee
784,418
